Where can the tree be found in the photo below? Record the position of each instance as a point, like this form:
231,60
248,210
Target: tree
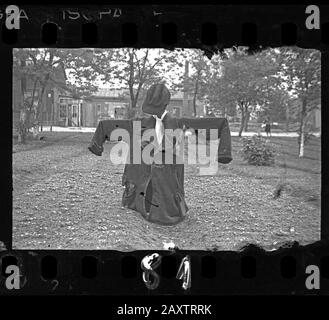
32,66
206,76
276,107
36,67
194,79
135,69
301,70
244,82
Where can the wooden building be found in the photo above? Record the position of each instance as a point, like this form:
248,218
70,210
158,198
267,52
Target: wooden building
104,104
60,108
114,104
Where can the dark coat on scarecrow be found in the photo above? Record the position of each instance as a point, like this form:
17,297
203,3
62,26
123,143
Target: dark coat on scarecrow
156,188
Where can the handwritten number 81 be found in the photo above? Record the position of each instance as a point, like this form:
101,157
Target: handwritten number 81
152,280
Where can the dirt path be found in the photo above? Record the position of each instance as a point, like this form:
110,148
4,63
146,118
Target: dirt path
67,198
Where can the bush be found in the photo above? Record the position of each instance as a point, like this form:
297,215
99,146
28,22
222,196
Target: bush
257,151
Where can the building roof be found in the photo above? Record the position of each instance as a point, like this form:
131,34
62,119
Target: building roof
117,93
110,93
177,95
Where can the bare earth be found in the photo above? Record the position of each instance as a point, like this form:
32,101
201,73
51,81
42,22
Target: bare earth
64,197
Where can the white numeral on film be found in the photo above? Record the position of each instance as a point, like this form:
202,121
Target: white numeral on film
184,273
150,277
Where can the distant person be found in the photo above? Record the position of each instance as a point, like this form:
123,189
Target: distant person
268,128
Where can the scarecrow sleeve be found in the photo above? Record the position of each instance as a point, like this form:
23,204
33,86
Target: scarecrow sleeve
224,154
104,130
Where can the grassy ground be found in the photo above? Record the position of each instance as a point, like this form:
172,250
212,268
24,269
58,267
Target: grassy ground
67,198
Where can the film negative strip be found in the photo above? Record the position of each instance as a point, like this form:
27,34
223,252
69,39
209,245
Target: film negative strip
53,59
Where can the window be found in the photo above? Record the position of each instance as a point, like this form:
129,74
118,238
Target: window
29,93
62,111
176,111
119,113
74,111
107,110
98,108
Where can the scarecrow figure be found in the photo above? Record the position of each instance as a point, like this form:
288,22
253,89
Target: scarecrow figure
155,188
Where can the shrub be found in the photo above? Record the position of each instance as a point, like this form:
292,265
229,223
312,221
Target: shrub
258,151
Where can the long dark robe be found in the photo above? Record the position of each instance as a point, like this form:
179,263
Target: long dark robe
157,190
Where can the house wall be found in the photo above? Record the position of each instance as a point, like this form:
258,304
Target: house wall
316,119
47,105
89,118
94,109
69,112
98,108
177,108
47,102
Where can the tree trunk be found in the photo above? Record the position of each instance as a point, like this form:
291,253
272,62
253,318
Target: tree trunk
241,126
196,89
40,102
224,111
301,141
35,131
287,118
21,130
133,101
51,115
302,129
194,104
246,122
132,109
21,136
40,105
242,120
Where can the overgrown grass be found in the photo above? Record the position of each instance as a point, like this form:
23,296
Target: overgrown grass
299,176
65,197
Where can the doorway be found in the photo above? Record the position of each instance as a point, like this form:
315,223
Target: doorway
73,115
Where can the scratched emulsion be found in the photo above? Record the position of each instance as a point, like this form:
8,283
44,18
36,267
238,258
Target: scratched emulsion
67,198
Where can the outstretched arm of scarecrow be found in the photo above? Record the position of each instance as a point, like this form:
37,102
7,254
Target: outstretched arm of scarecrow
104,131
224,154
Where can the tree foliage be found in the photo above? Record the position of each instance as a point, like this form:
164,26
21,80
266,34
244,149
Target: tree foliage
36,68
281,83
245,81
301,73
135,69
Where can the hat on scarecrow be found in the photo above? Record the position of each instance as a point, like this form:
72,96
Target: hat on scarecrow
156,100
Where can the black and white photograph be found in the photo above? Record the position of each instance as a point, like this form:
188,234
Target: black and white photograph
241,130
